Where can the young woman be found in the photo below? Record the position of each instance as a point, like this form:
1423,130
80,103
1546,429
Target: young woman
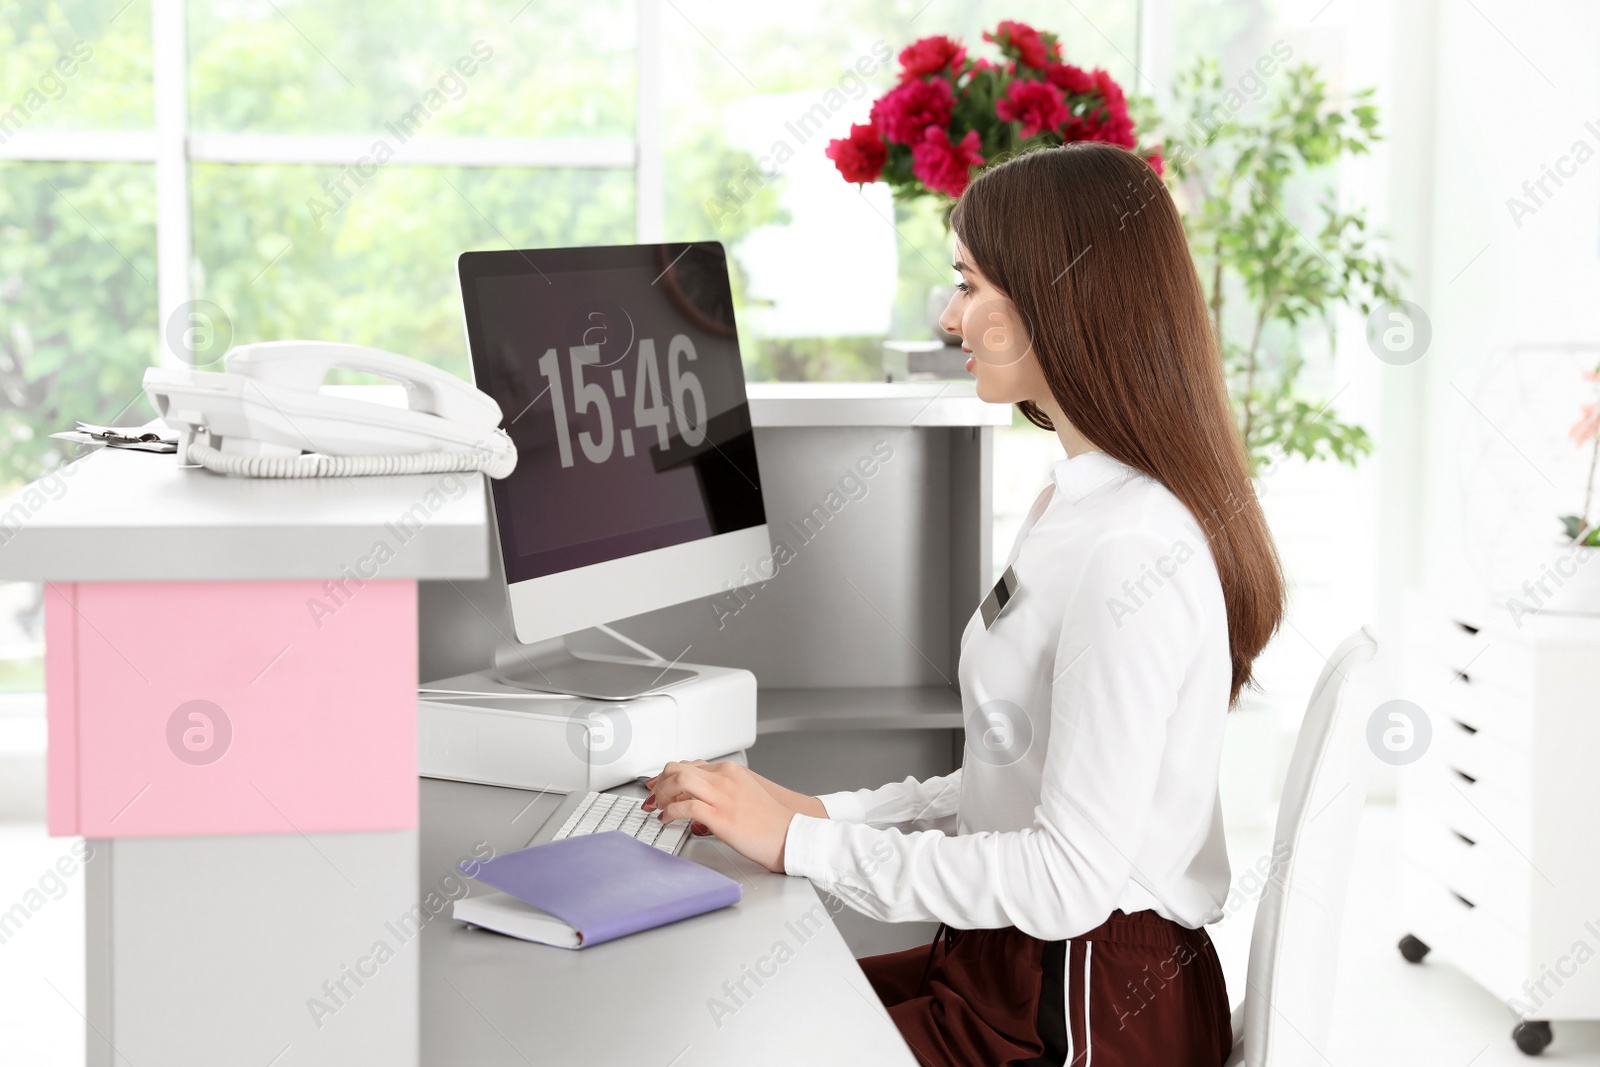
1076,856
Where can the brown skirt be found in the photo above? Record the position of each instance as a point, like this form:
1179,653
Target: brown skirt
1136,991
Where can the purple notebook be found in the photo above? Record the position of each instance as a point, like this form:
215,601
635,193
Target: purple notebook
604,886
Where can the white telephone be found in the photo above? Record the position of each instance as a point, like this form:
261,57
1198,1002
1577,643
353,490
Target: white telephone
265,411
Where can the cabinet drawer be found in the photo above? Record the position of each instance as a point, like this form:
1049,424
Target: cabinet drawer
1474,756
1490,952
1476,808
1476,705
1492,709
1484,656
1483,872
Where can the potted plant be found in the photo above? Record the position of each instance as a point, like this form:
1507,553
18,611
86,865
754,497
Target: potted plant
1270,263
1571,585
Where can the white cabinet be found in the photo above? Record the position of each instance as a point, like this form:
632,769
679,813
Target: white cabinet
1501,814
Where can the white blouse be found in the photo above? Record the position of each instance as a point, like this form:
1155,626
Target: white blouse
1094,714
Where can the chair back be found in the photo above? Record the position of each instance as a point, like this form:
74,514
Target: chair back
1294,948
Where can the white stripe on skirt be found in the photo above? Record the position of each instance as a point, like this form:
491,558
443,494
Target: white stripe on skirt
1088,1048
1066,1000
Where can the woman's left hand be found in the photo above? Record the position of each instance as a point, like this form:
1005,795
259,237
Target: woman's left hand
729,800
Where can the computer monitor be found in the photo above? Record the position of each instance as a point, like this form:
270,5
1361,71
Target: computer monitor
636,487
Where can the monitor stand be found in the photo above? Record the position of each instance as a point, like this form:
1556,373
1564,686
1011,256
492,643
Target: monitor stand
552,667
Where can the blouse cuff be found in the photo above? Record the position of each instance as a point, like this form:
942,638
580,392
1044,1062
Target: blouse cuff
805,846
844,807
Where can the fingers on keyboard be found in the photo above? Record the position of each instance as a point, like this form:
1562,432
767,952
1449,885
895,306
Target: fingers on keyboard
599,812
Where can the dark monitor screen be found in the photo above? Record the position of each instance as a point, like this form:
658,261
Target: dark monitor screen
617,372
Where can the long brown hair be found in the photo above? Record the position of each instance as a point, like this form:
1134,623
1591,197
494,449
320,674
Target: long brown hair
1088,244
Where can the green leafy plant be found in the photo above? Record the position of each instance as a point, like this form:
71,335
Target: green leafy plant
1275,251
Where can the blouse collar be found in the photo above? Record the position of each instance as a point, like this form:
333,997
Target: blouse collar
1082,474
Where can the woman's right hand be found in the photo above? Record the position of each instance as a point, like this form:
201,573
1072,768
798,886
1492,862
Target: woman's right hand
799,803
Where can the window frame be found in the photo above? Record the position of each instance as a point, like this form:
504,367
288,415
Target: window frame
171,147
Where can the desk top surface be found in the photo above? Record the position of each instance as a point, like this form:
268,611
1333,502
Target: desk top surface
664,997
118,515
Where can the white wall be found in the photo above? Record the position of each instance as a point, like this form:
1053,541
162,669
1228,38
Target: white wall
1517,88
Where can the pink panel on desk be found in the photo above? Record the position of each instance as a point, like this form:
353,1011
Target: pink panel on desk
183,708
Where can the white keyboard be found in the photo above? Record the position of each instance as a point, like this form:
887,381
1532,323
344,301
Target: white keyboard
599,812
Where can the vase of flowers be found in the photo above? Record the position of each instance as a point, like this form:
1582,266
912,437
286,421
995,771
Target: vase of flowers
1572,580
951,113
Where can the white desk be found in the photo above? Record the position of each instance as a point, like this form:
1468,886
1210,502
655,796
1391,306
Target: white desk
133,516
652,998
226,896
230,881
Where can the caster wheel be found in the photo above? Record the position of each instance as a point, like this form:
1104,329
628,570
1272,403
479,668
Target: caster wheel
1532,1038
1413,948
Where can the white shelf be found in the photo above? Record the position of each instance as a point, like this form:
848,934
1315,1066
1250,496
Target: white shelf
782,711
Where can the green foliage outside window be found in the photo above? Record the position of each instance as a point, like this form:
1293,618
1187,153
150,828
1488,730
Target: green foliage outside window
273,247
77,303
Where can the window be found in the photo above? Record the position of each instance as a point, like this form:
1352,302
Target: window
305,169
77,251
379,268
826,272
312,170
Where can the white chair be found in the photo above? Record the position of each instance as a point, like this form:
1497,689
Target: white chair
1288,1000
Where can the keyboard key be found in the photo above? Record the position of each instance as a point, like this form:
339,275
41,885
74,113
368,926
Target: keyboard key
601,812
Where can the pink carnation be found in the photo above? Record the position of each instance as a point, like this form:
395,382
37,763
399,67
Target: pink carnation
904,112
1029,44
1110,123
1037,105
942,166
1114,129
1075,81
1110,90
1588,424
930,55
859,157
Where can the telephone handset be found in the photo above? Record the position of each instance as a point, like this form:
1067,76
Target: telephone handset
264,411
